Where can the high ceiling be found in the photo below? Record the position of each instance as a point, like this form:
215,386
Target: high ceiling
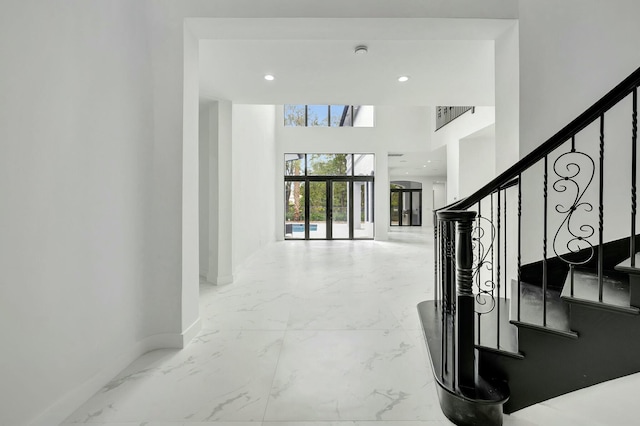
449,62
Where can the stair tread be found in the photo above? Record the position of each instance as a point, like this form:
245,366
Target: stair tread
486,325
615,294
531,308
625,265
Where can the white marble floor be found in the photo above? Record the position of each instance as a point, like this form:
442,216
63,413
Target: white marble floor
319,333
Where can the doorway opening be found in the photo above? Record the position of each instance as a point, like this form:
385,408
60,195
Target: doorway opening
328,196
406,203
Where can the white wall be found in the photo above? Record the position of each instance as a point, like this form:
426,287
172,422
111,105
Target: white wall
450,136
254,180
571,54
76,126
439,194
477,159
396,129
507,69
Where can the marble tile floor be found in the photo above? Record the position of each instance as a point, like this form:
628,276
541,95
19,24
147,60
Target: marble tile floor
312,333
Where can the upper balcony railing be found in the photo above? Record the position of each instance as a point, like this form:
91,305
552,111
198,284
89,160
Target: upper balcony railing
446,114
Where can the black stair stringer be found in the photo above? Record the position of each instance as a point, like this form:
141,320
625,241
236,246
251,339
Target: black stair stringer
607,348
485,407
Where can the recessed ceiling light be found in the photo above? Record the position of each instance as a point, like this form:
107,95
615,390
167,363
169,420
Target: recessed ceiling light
403,78
269,77
361,50
424,165
406,173
428,161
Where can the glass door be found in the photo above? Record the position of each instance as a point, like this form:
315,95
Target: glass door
395,208
339,208
405,219
406,207
416,208
317,202
329,196
294,223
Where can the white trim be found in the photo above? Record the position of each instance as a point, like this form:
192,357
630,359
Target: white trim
191,332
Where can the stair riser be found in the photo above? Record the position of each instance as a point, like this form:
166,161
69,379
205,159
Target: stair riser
634,288
608,347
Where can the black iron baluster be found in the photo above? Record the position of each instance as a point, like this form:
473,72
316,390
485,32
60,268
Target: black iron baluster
571,270
634,140
601,215
441,260
519,239
435,259
571,266
478,277
493,260
544,248
498,275
505,247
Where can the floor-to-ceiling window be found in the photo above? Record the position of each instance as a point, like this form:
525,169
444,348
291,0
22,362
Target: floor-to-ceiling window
329,196
406,203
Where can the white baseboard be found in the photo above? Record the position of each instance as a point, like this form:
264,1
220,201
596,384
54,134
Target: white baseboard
70,402
227,279
191,332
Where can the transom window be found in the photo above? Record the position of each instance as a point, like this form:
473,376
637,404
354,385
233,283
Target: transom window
329,164
328,115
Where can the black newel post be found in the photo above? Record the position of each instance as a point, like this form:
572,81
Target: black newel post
465,314
449,279
464,298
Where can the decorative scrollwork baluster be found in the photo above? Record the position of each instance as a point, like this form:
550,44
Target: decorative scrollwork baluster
483,229
571,168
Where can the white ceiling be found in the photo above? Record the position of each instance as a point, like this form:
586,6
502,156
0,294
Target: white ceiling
449,61
325,72
413,163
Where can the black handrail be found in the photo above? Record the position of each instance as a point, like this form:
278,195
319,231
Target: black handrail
583,120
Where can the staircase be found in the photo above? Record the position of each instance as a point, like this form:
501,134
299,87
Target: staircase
503,334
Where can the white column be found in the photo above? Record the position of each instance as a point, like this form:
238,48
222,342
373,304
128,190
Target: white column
225,195
381,195
213,198
357,211
190,177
